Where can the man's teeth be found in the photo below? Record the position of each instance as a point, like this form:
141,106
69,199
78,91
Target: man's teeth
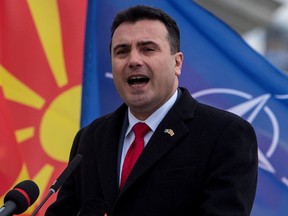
138,80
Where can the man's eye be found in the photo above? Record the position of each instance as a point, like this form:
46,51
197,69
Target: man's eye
147,50
121,52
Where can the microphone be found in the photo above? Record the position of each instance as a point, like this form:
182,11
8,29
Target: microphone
60,180
17,200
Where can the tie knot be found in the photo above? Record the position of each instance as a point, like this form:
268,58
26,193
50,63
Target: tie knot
140,129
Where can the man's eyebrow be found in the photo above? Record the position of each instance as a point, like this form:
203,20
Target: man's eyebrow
144,43
139,44
119,46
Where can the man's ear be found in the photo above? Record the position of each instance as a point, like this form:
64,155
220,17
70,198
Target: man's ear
179,57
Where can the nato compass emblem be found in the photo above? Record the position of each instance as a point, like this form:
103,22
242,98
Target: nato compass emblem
268,114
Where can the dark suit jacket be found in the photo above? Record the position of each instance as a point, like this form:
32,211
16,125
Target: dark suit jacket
208,167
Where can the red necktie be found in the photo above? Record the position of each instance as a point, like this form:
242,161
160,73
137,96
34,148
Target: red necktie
134,151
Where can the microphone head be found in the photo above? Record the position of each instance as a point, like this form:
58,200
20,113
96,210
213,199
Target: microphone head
23,194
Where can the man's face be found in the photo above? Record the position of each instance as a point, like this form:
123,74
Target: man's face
145,72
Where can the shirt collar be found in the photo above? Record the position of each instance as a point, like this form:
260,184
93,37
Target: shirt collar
154,120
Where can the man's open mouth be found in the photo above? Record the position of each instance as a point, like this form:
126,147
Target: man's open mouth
138,80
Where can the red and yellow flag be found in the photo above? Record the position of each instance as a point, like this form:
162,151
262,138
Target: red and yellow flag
41,58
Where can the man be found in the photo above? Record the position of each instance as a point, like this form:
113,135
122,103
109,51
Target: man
197,160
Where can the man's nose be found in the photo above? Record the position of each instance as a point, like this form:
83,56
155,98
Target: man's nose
135,59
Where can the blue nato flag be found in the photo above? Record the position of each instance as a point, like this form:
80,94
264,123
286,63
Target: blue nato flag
90,107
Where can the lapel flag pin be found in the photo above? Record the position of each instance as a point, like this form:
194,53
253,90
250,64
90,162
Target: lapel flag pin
169,131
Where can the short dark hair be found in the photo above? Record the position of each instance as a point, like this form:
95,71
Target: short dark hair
142,12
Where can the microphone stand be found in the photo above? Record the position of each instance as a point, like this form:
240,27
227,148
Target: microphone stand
51,191
62,178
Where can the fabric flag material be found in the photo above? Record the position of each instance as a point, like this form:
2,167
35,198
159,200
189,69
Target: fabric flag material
10,157
219,69
41,60
90,88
